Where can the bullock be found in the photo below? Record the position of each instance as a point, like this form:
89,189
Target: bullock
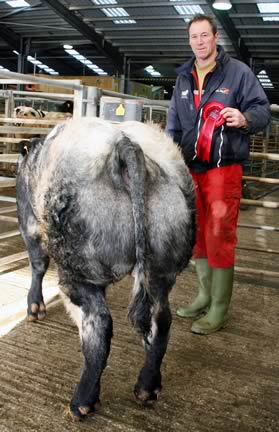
105,201
29,112
26,112
65,107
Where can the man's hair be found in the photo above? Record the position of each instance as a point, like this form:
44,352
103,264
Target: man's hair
201,17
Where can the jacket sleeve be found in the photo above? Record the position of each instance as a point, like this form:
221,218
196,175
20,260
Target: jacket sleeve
173,127
253,102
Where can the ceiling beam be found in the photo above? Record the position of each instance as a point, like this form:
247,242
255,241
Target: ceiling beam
253,1
257,27
152,36
138,5
115,28
14,42
141,18
59,39
160,4
160,60
158,44
9,37
253,15
260,36
240,48
102,46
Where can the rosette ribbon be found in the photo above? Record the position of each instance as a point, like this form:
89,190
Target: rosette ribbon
212,119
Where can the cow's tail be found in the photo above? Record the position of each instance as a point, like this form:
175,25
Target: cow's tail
131,163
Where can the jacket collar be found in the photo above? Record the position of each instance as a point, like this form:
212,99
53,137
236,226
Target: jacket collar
186,68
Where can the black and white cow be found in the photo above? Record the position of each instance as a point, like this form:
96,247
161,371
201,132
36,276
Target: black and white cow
105,201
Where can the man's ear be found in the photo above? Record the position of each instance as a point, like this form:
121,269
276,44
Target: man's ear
217,37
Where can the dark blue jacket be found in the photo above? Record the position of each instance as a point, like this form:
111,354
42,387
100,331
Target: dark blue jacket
235,85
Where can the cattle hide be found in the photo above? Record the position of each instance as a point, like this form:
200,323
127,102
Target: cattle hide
105,201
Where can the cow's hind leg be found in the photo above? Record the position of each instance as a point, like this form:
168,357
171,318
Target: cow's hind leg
39,261
95,335
148,385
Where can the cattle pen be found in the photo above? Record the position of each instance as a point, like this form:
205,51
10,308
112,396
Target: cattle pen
223,382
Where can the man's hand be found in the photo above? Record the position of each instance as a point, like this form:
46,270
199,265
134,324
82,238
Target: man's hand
234,118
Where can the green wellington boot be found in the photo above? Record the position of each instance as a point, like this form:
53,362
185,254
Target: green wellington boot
221,292
204,273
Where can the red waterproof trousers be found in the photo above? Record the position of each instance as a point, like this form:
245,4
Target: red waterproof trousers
218,193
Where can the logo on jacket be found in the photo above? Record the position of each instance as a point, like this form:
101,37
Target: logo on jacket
184,94
223,90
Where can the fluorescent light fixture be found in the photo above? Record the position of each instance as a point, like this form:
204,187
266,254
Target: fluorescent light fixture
264,79
17,3
86,62
82,59
270,18
39,64
104,2
222,4
125,21
115,12
155,74
150,69
72,52
189,10
268,7
79,57
35,62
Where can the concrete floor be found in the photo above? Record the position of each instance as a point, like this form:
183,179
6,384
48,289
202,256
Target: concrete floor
224,382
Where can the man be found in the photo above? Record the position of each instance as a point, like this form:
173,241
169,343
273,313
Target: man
217,102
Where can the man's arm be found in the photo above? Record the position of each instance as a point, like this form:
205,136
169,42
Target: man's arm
253,112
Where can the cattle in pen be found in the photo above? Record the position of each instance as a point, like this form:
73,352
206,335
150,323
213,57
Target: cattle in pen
27,113
33,113
105,201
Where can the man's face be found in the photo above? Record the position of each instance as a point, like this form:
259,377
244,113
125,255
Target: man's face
202,40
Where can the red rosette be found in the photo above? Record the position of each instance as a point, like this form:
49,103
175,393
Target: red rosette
212,119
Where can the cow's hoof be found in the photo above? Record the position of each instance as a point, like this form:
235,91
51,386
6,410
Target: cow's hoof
78,413
38,312
74,417
147,398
